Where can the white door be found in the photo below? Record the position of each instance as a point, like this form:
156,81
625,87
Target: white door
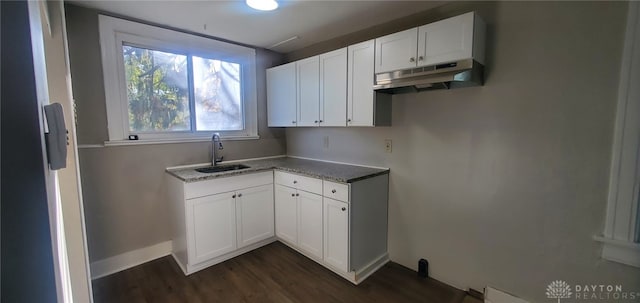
211,226
308,91
396,51
286,214
336,234
281,95
333,88
360,84
310,223
446,40
254,214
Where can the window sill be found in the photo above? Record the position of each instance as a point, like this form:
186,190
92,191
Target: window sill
620,251
172,141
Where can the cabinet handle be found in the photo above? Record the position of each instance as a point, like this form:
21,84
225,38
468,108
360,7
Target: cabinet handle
297,195
412,59
239,195
420,58
294,122
293,195
333,191
344,208
234,196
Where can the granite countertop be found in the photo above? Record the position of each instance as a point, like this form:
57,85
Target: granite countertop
342,173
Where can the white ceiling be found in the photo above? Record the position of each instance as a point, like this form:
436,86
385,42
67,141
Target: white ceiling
310,21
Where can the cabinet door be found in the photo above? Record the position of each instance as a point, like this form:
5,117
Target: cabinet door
255,214
446,40
286,214
211,226
308,91
396,51
360,84
281,95
336,234
310,223
333,88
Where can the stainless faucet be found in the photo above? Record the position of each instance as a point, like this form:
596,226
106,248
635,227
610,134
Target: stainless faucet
215,140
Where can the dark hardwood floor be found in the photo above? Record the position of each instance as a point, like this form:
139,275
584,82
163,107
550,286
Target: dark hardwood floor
274,273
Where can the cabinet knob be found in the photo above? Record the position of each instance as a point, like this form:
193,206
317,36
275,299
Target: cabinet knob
293,195
315,121
239,195
320,121
294,122
412,59
297,195
294,181
420,58
344,208
333,191
234,196
348,120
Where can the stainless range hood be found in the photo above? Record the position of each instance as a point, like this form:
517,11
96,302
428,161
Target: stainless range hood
463,73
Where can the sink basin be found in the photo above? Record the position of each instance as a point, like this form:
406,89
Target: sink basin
220,168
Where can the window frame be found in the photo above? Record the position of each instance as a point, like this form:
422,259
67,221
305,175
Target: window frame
621,236
116,32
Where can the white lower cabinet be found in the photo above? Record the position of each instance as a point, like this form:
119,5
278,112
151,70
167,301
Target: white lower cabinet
254,214
214,226
299,219
310,223
218,219
336,234
342,226
286,214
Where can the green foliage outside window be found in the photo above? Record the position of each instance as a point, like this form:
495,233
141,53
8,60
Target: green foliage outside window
157,90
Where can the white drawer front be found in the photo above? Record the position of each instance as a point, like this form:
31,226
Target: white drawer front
337,191
226,184
309,184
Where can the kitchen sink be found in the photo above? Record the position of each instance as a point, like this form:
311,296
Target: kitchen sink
220,168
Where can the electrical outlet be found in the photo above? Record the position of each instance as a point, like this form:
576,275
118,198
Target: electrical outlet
325,142
388,145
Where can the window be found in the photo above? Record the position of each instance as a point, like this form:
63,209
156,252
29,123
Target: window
168,86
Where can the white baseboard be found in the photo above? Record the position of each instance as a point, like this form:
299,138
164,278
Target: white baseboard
492,295
130,259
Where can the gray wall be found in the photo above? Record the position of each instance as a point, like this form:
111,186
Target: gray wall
126,206
505,184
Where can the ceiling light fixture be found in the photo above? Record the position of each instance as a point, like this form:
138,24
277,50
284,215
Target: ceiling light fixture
262,5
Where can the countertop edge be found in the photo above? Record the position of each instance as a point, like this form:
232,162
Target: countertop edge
171,171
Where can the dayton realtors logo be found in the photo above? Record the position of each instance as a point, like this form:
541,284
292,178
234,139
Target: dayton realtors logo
562,290
558,290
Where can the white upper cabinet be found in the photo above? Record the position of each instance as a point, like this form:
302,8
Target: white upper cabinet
336,88
281,95
447,40
308,91
456,38
396,51
333,88
360,86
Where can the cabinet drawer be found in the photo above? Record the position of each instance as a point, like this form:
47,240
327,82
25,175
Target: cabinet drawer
337,191
226,184
309,184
